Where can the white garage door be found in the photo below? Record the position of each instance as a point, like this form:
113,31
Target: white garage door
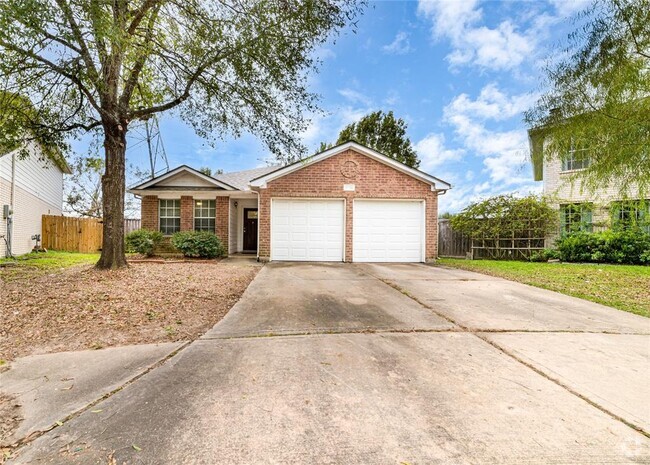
388,231
307,230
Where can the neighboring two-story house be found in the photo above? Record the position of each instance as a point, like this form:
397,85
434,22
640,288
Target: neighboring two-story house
30,187
581,209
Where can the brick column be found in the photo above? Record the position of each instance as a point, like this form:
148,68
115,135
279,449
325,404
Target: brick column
264,225
149,212
187,213
222,221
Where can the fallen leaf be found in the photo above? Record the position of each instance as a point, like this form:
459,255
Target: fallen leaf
136,447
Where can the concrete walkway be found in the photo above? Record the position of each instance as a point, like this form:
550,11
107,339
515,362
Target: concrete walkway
49,388
367,364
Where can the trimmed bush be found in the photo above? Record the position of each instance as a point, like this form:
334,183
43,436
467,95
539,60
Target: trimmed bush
198,244
627,246
143,241
544,255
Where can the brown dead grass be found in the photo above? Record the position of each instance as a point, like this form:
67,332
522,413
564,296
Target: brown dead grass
84,308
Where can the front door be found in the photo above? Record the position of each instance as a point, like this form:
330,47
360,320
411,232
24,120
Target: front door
250,230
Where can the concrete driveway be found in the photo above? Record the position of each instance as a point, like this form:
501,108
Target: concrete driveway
386,364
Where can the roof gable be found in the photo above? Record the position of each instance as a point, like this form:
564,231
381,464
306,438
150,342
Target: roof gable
184,177
435,183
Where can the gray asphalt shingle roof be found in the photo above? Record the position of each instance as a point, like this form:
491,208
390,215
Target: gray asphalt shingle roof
240,179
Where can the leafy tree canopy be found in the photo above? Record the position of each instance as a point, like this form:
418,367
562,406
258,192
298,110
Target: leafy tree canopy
382,132
225,67
597,98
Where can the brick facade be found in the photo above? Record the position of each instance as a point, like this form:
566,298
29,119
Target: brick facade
325,179
222,222
187,213
149,212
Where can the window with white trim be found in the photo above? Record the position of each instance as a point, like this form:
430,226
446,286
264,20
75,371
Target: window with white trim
631,214
576,159
576,217
204,215
169,212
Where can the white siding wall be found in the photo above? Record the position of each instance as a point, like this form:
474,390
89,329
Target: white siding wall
39,191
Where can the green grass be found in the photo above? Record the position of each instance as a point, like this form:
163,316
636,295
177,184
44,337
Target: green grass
47,261
625,287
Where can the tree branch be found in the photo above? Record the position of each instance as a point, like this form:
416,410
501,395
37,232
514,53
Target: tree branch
637,46
140,62
190,82
56,68
83,47
140,14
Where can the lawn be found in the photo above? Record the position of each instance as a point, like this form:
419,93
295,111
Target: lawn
625,287
58,301
36,263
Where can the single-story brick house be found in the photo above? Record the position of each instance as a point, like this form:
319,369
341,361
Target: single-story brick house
349,203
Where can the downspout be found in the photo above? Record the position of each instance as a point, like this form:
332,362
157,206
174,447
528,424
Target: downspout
10,213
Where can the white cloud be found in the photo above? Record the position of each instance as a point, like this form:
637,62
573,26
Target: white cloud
324,53
400,46
504,152
355,96
433,153
492,103
499,48
450,17
569,7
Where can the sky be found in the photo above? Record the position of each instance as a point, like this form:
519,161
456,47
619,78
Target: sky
459,72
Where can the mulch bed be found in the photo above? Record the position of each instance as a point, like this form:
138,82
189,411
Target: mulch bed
84,308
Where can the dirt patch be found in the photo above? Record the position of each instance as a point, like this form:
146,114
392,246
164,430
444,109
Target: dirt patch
84,308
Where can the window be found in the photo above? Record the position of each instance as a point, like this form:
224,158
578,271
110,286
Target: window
204,213
170,216
576,217
632,213
577,159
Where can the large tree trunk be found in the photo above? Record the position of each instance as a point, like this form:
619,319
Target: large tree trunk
113,189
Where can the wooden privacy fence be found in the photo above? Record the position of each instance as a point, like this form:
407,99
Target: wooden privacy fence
452,243
131,224
71,234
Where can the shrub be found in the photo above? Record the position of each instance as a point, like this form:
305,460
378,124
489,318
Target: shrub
544,255
506,216
630,246
143,241
199,244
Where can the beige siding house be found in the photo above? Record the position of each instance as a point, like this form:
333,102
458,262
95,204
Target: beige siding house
579,208
29,188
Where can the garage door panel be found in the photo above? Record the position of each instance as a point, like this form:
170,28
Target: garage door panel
386,230
306,229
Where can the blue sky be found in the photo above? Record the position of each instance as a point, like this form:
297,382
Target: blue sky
460,72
